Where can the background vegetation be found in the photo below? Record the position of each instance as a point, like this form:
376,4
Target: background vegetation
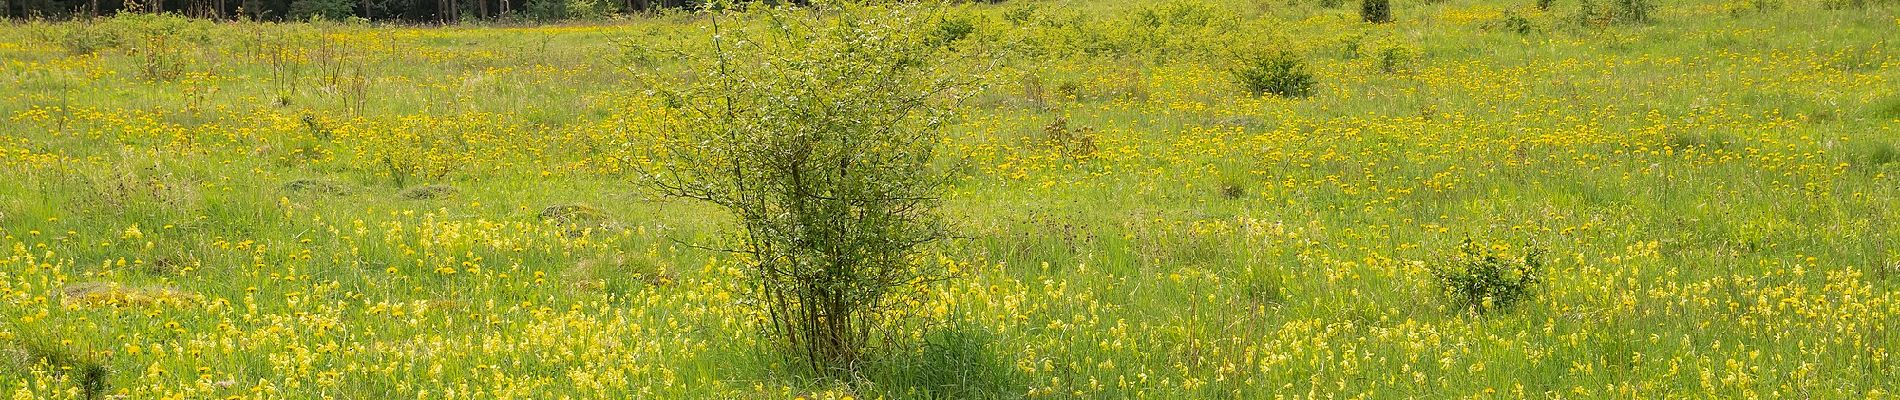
216,209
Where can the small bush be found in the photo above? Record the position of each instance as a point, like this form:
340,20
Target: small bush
1397,59
1633,11
951,30
1512,22
83,39
1545,4
1376,11
1279,73
1483,279
1075,143
1616,12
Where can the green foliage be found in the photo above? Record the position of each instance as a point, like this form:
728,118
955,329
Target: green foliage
951,29
333,10
554,10
1545,4
1376,11
830,172
1483,279
1280,73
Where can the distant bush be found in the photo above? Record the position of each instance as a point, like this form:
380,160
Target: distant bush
1279,73
1397,59
83,39
1615,12
1512,22
1076,143
1376,11
1544,4
1483,279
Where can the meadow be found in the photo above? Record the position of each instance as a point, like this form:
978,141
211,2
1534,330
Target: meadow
195,209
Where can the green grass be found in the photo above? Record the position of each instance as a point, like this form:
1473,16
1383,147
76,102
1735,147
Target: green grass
1713,189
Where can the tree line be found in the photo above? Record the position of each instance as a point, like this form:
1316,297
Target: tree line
399,10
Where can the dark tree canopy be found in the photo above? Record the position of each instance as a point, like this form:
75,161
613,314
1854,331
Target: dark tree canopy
396,10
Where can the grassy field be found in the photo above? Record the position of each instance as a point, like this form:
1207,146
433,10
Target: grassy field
196,209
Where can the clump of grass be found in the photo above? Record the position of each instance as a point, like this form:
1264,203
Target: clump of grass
318,187
959,361
1886,109
1232,190
1487,278
1280,73
1376,11
114,294
1701,140
1872,154
429,192
91,376
576,218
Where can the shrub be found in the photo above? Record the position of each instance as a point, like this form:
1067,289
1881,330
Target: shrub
1545,4
1591,13
1483,279
1279,73
1512,22
950,30
1632,11
1397,59
85,38
1075,143
830,172
1376,11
